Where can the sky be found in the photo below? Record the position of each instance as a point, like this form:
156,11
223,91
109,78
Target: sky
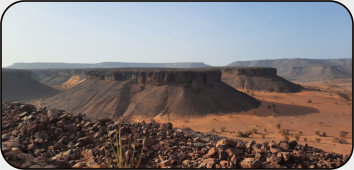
216,33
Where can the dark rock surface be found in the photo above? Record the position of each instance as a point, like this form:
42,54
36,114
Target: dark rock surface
34,141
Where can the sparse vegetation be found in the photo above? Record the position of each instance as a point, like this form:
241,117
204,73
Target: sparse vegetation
213,130
278,125
222,129
297,137
254,131
343,134
318,140
339,140
126,161
309,101
263,136
284,132
286,138
244,134
305,139
269,106
324,134
265,130
318,133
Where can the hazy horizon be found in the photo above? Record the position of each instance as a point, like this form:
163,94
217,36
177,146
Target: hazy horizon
215,33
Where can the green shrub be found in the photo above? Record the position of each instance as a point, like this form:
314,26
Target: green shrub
222,129
278,125
343,134
309,101
318,140
340,141
254,131
318,133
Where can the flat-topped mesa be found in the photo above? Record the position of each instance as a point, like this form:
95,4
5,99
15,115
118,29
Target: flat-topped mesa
251,71
258,78
158,76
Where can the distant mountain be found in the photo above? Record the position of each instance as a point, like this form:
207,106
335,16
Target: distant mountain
297,69
105,65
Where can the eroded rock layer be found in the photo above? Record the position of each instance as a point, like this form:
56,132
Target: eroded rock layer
257,78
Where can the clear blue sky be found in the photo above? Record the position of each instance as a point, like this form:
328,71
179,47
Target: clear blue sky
214,33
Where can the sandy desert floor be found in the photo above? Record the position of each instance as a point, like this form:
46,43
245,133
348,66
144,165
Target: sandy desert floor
326,107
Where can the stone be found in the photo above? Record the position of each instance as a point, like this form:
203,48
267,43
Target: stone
284,146
186,164
79,165
166,126
207,163
250,163
273,159
198,144
225,164
212,153
85,140
53,114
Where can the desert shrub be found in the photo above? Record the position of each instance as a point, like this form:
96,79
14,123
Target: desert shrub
263,136
309,101
153,121
284,132
305,139
118,149
297,137
318,140
318,133
324,134
269,106
244,134
213,130
343,134
222,129
300,133
340,141
254,131
265,130
278,125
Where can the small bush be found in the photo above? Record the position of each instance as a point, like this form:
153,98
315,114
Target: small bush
213,130
244,134
318,133
300,133
318,140
340,141
278,125
324,134
343,134
309,101
222,129
254,131
297,137
263,136
269,106
284,132
305,139
265,130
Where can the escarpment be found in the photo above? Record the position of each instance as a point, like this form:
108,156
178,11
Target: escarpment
145,93
258,78
158,76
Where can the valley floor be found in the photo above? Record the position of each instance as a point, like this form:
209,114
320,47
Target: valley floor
325,107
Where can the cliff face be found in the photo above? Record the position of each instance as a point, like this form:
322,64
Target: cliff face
158,77
258,78
133,93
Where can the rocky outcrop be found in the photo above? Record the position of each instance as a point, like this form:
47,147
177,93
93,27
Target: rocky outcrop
257,78
158,76
136,92
49,138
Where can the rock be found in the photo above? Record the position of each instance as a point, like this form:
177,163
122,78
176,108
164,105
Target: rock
225,164
53,114
165,163
286,156
198,144
283,145
70,128
212,153
149,142
207,163
292,144
166,126
250,163
4,137
273,159
228,142
222,155
186,164
79,165
85,140
15,152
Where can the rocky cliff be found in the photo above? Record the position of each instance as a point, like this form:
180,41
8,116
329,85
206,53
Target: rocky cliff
158,76
134,92
257,78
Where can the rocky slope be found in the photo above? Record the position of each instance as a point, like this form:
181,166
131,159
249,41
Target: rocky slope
257,78
133,93
49,138
17,85
297,69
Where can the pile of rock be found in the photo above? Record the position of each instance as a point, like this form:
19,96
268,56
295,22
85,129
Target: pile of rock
49,138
